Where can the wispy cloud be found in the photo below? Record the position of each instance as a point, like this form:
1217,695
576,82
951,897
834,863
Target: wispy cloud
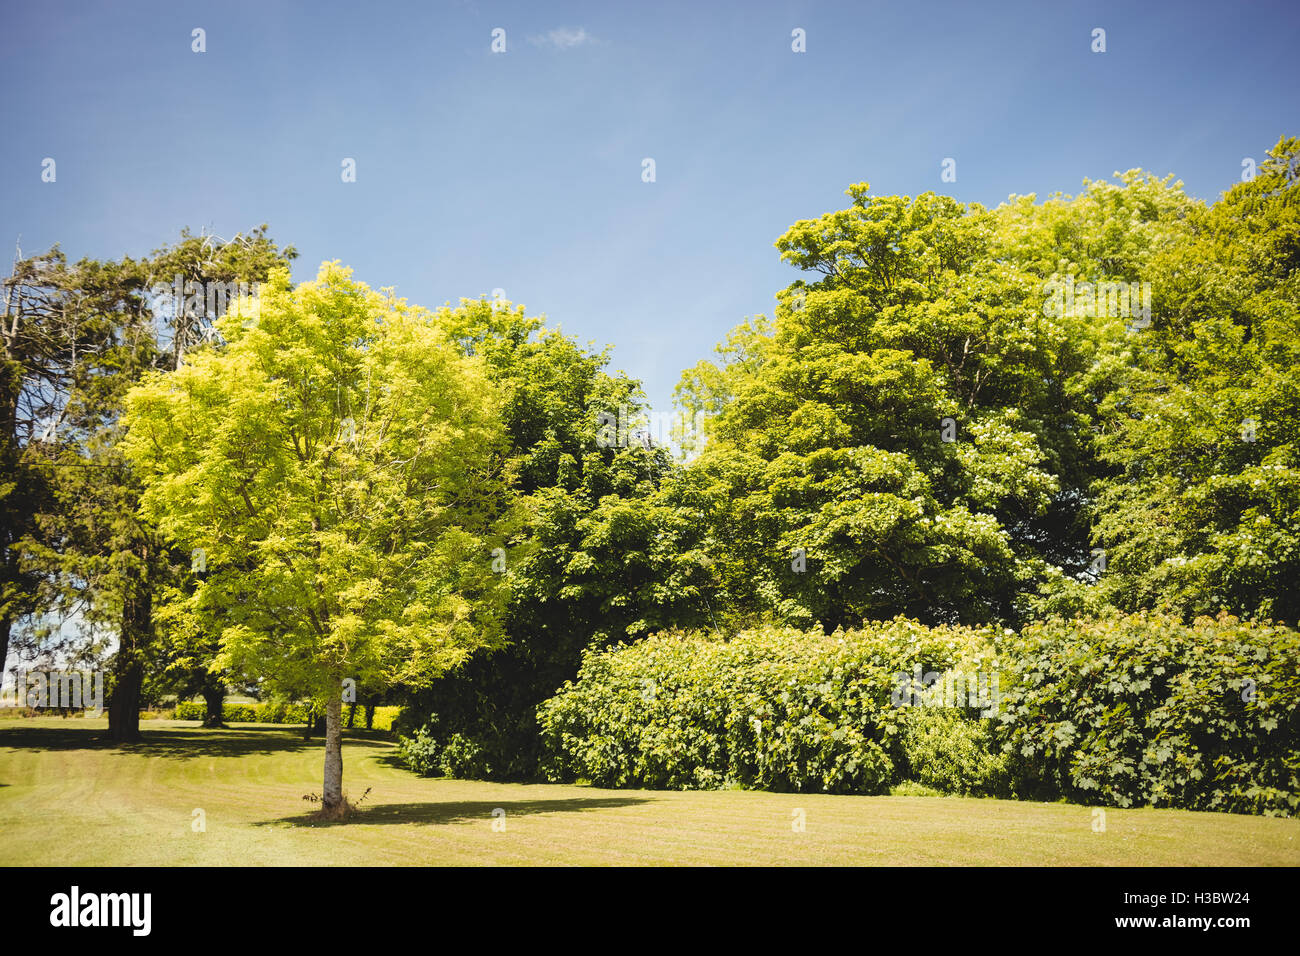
563,38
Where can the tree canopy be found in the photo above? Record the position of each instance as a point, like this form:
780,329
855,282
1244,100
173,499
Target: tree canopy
336,465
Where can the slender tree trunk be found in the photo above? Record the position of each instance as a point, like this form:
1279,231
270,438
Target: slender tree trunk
352,714
332,795
6,622
214,696
370,716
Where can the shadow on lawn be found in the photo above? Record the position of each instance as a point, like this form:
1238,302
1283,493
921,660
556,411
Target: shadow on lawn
436,812
176,743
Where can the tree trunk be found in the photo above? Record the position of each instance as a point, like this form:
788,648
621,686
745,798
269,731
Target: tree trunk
332,795
352,713
124,706
370,716
6,622
214,696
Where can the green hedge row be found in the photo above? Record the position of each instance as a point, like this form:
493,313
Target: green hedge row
1127,711
1143,711
278,712
776,709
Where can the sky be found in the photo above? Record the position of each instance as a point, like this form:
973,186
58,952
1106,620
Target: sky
524,170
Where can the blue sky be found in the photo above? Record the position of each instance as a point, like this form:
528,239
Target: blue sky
522,170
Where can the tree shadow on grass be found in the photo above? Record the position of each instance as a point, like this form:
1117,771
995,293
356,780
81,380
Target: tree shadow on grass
391,759
176,743
436,812
239,743
89,737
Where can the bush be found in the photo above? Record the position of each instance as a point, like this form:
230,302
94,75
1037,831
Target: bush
499,746
1144,710
946,750
275,712
279,712
190,710
239,713
770,708
457,756
1138,710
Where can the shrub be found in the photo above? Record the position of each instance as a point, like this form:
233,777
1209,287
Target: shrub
281,712
499,746
946,750
1144,710
457,756
420,753
190,710
770,708
1127,710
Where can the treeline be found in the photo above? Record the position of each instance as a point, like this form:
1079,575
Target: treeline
964,416
82,572
930,426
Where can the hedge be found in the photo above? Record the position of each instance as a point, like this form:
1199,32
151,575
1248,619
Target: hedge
1137,710
278,712
771,708
1145,711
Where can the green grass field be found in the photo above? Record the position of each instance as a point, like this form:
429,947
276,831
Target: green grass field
66,799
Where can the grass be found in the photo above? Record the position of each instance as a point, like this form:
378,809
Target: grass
68,799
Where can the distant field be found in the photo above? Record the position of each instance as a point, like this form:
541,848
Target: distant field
65,799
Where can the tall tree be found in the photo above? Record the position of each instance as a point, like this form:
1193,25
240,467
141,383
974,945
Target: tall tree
1200,511
911,433
93,329
338,463
599,556
47,334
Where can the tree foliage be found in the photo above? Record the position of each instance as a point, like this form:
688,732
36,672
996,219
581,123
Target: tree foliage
336,464
599,555
1199,509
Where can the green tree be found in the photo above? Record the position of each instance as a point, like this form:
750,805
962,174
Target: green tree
912,433
35,336
337,462
1200,511
599,555
92,330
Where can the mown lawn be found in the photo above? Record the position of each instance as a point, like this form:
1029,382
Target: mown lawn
67,799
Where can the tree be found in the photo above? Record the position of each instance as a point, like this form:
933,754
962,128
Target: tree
912,432
89,559
1199,512
599,555
80,337
47,336
338,463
